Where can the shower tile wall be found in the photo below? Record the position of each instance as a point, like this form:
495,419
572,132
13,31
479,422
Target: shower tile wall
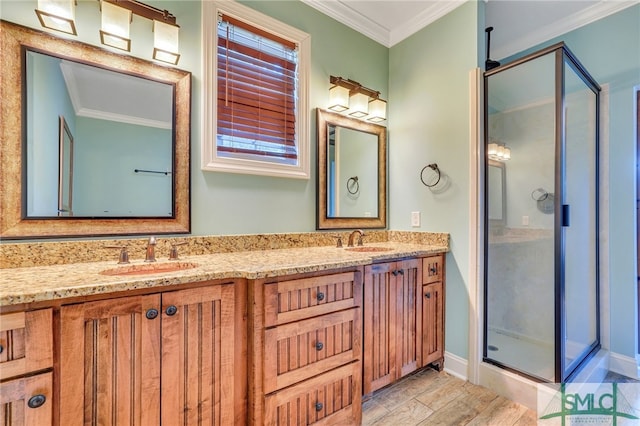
521,258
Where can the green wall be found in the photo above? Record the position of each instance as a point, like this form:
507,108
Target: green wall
429,123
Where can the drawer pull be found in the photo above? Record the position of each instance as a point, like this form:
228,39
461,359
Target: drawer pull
1,349
320,296
319,346
401,272
395,273
427,295
36,401
152,313
433,270
319,406
171,310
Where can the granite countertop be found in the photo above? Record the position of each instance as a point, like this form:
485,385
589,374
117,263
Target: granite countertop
46,283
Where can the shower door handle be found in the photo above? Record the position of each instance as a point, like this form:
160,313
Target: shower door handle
565,215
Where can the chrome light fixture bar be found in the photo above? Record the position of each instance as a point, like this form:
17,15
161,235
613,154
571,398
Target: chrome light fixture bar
57,15
350,97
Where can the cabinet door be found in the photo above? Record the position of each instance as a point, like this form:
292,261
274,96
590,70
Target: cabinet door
433,324
27,401
110,362
409,314
379,355
198,356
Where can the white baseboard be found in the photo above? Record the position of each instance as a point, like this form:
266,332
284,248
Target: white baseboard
455,365
510,385
625,365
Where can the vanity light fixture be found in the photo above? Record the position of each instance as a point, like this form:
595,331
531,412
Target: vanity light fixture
57,15
115,26
499,152
350,97
117,15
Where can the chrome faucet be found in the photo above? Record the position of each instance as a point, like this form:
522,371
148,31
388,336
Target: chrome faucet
151,250
352,235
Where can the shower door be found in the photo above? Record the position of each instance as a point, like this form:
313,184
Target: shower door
541,276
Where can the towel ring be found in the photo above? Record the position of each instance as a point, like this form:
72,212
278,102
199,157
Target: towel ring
351,185
433,167
539,194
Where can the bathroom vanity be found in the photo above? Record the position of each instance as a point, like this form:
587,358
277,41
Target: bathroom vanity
261,337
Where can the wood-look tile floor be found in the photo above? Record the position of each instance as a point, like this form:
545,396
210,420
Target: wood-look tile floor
429,397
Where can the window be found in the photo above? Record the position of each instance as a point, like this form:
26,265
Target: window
255,93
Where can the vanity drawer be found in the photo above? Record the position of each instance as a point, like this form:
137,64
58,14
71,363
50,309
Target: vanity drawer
26,342
293,300
303,349
432,269
331,398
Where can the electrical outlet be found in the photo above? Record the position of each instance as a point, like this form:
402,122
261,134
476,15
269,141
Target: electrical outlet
525,220
415,219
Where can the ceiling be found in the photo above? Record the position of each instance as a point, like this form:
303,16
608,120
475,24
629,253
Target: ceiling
518,24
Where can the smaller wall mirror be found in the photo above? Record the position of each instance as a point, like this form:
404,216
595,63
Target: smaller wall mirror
352,180
496,196
65,170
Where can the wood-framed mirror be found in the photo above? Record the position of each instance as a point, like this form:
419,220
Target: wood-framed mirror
106,182
352,173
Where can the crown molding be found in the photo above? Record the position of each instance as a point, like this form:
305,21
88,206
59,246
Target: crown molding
435,11
591,14
349,17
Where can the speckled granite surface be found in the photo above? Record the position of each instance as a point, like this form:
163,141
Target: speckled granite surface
29,284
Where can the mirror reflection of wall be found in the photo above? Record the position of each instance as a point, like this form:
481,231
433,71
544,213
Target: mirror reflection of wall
119,122
352,153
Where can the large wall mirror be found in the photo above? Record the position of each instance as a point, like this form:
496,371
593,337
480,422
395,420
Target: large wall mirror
93,143
352,173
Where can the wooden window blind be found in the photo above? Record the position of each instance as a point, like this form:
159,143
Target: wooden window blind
257,83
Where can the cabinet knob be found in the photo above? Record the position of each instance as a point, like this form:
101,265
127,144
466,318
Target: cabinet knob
152,313
36,401
319,406
427,295
401,271
395,273
1,349
433,270
320,296
171,310
319,346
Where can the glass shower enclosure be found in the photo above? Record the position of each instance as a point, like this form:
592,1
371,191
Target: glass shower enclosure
541,310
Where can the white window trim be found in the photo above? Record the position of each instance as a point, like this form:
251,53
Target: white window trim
210,160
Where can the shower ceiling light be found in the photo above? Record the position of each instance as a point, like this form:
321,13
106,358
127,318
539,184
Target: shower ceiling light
498,152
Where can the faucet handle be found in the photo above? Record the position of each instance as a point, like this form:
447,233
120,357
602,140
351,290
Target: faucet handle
124,254
338,237
173,253
362,234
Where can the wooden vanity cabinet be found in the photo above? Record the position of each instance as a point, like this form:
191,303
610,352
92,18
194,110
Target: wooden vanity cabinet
433,311
165,358
392,322
403,319
306,350
26,361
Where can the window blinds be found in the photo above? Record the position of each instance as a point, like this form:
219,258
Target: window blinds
257,80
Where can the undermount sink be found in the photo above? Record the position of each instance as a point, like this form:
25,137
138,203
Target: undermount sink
368,249
149,268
